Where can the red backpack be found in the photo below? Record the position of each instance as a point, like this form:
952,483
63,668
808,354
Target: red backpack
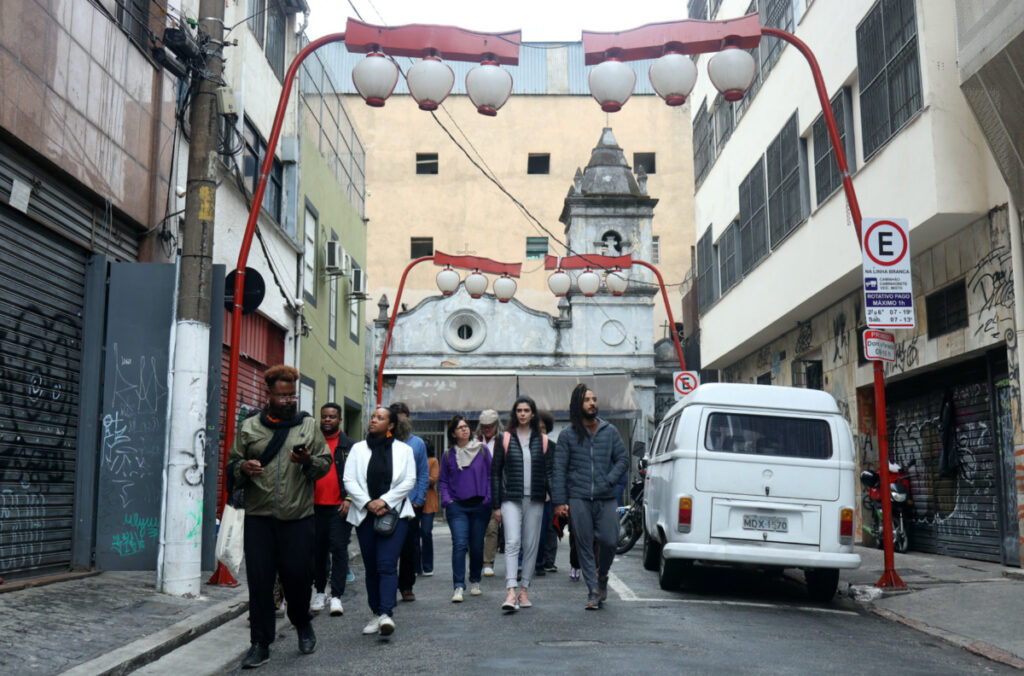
543,442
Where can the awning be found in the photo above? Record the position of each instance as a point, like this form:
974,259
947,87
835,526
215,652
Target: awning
456,393
552,393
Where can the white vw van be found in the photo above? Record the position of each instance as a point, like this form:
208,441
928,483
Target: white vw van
755,475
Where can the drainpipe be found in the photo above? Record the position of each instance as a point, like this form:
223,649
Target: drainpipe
1017,259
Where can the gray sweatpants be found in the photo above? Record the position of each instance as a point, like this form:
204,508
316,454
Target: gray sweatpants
594,519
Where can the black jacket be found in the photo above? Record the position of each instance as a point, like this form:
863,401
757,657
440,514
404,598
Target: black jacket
588,468
507,469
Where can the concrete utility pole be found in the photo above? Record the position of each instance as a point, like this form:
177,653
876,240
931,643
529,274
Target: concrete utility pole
180,554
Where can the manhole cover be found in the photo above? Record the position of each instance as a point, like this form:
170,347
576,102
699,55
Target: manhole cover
569,644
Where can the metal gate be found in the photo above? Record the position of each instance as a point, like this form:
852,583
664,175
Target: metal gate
42,292
956,513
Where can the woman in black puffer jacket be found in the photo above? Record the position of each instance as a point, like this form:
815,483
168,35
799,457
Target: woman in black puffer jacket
520,482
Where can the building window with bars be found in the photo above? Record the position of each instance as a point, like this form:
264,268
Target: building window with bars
889,71
946,309
656,249
536,247
277,30
753,223
133,15
258,19
538,163
252,159
697,9
703,144
722,114
729,258
421,246
775,14
332,309
786,179
426,163
826,171
707,272
645,161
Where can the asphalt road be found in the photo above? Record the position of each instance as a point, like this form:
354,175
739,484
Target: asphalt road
720,621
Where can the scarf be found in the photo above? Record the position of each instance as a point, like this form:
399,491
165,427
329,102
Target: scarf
464,455
379,469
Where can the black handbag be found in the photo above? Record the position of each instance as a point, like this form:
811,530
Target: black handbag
385,524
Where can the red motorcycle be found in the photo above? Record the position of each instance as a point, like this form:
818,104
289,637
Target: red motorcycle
902,504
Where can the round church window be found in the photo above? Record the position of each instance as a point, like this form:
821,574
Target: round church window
465,331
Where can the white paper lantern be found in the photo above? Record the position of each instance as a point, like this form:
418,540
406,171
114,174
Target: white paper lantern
448,281
673,77
559,282
504,288
589,282
732,72
476,284
611,84
616,281
488,87
375,78
430,81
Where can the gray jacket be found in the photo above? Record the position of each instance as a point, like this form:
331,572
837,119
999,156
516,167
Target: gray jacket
590,468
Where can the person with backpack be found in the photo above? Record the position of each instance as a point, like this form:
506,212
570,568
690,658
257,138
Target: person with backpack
520,479
466,497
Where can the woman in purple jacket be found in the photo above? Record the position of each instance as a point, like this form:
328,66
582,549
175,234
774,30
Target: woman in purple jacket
465,485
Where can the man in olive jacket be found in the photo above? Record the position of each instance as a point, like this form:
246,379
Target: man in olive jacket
589,459
277,457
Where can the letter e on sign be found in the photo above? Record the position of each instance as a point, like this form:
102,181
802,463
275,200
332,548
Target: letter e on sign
888,285
684,382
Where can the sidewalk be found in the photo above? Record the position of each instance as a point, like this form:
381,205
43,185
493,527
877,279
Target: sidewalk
115,623
973,604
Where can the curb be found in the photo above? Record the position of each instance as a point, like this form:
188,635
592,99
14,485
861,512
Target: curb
150,648
986,650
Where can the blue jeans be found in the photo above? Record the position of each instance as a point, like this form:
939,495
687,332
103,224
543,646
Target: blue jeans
468,525
380,559
426,558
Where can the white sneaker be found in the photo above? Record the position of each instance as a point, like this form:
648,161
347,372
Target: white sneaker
373,627
428,573
488,571
474,589
318,602
336,608
457,596
387,625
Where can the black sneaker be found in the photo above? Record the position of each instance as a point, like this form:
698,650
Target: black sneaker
257,656
539,572
602,588
551,568
307,639
593,601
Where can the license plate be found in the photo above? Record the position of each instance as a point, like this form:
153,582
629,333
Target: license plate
777,524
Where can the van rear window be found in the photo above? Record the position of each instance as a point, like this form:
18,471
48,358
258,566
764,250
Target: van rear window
769,435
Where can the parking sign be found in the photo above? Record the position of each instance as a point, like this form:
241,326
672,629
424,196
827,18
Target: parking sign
888,291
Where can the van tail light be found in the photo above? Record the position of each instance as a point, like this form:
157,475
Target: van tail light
846,526
685,514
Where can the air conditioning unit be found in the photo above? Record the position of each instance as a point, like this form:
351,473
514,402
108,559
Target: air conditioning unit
335,258
358,288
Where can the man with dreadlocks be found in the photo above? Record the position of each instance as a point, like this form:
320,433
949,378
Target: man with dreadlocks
589,459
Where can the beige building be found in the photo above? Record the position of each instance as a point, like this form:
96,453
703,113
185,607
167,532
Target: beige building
423,193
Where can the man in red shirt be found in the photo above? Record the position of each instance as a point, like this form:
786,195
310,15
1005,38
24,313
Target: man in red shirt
330,507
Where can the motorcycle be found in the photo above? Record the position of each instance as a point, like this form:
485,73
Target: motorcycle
631,517
902,504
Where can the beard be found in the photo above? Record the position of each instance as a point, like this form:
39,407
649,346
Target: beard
588,415
328,430
285,412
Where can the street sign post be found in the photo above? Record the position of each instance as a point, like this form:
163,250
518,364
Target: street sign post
684,382
880,345
888,291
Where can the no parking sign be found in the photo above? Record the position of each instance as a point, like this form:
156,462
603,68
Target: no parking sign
684,382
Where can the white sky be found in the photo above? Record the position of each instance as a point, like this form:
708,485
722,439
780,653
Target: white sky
540,20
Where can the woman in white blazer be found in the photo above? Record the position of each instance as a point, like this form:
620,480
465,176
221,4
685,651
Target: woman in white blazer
379,474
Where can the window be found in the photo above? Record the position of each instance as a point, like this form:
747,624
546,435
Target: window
536,247
655,249
826,171
723,121
887,64
426,163
332,389
703,144
697,9
728,257
786,194
861,358
645,160
776,14
808,373
713,9
353,308
309,255
252,159
765,378
538,163
421,246
133,15
277,29
946,309
707,272
753,235
769,435
332,311
258,19
307,394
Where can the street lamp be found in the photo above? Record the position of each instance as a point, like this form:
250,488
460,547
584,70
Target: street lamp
673,77
616,281
430,81
448,281
504,288
611,83
488,86
375,78
588,282
732,71
559,282
476,284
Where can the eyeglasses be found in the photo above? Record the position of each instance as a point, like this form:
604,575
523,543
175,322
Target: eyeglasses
286,397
